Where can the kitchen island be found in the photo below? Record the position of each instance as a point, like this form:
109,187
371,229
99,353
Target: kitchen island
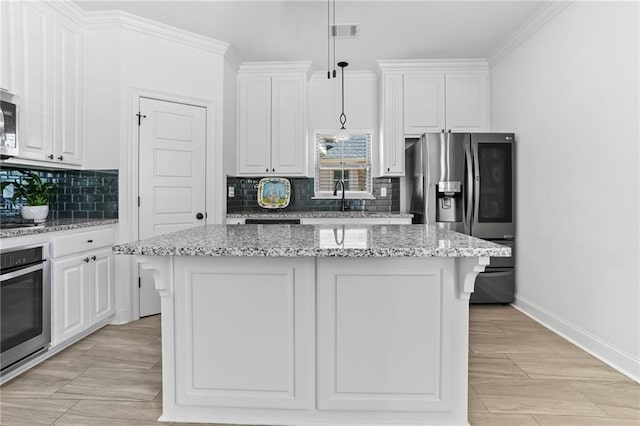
302,325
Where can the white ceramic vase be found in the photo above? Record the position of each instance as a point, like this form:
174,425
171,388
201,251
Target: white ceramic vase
37,213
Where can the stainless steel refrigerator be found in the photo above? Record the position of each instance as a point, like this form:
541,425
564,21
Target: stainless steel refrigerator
466,182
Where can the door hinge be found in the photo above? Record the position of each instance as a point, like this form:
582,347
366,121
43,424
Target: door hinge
140,117
138,201
139,282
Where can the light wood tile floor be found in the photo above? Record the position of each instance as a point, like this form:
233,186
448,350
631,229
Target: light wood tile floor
520,374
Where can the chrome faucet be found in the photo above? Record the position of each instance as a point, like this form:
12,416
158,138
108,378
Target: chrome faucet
335,190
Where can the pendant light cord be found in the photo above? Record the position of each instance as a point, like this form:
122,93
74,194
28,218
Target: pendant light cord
334,30
343,117
328,39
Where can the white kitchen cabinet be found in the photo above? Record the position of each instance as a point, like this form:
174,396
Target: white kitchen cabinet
272,110
391,131
425,96
451,101
82,284
69,298
9,45
102,305
51,85
424,103
467,101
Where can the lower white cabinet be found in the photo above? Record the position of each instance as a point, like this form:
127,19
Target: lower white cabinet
82,293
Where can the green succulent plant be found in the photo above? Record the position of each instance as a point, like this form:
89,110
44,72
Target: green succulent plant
33,190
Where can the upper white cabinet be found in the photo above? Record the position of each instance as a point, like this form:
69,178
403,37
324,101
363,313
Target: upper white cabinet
426,96
50,84
451,101
391,131
467,101
9,45
424,103
272,116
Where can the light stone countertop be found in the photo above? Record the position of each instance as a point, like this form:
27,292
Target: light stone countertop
349,214
315,241
55,225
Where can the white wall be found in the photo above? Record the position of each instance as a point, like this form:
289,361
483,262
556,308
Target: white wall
325,105
230,113
570,93
102,103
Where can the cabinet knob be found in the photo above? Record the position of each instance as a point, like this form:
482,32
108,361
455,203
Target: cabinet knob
50,156
199,216
93,258
388,169
86,259
61,158
273,170
89,241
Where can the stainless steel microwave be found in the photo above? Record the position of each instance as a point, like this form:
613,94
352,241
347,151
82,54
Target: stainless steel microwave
8,125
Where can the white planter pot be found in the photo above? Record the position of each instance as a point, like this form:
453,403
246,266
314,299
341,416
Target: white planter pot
37,213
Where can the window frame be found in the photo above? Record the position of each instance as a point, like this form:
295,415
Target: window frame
351,195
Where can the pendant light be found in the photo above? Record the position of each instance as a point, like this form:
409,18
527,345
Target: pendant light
342,135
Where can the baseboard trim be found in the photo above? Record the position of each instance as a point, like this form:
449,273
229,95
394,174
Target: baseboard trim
605,352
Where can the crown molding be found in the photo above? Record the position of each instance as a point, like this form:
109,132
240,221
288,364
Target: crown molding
546,13
232,58
115,19
408,65
348,75
68,8
280,67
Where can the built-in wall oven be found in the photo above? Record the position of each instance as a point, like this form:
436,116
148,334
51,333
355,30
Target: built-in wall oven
25,304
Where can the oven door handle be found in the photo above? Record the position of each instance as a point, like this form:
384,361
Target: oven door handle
20,272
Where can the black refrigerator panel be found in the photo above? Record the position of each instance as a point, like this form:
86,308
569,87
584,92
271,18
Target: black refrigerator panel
495,285
494,190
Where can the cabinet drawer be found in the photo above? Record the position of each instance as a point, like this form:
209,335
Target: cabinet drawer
82,241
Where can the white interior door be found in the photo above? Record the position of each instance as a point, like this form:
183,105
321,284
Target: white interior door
171,177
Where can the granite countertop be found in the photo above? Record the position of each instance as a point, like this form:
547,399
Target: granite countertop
55,225
315,240
278,214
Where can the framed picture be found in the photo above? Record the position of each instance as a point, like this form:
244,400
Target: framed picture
274,193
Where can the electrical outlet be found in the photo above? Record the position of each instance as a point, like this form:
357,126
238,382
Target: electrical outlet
383,191
231,192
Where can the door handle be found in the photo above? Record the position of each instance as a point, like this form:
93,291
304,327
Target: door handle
60,158
86,259
199,216
469,189
93,258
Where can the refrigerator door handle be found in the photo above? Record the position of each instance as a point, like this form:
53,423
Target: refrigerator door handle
476,183
469,190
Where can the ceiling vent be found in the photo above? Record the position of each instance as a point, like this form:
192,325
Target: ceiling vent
345,30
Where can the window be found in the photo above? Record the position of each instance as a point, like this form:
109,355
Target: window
349,161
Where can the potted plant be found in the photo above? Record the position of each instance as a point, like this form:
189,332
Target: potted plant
36,194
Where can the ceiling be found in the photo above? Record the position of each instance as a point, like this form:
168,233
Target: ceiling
271,30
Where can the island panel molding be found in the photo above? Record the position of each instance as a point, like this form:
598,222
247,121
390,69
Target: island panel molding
384,335
244,330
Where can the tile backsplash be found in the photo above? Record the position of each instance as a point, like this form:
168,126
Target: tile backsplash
246,196
86,194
